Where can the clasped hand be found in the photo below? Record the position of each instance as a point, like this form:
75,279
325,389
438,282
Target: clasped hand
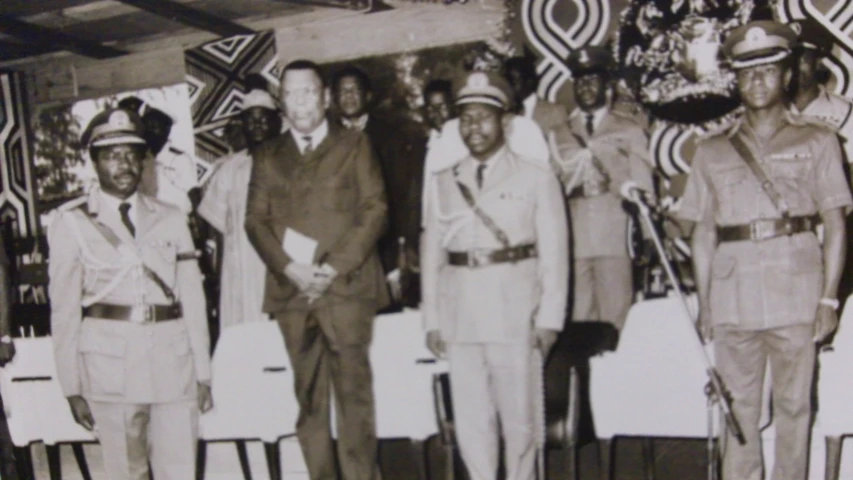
311,280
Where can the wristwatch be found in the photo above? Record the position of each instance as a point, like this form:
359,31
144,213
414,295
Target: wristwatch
6,339
830,302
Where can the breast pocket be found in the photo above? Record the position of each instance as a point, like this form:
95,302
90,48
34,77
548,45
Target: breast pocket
734,192
789,178
103,362
162,257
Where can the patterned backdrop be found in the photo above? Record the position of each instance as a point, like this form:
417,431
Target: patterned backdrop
17,200
215,74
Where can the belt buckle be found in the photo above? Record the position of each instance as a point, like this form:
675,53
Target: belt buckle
477,257
142,314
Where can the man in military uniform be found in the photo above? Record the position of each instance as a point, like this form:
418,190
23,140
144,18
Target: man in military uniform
604,150
128,313
767,289
495,282
811,98
521,74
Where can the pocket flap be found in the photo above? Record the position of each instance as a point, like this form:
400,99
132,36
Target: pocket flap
110,345
723,266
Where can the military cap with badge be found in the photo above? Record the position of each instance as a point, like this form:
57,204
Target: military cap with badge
758,43
487,88
114,126
590,60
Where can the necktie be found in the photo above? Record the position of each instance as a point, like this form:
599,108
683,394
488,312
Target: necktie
480,168
589,123
124,208
309,147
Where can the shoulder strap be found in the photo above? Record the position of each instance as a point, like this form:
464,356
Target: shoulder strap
766,184
486,219
116,242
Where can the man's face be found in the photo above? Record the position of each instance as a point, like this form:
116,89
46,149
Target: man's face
762,86
304,98
119,168
481,129
437,109
521,84
157,132
351,98
590,91
258,125
808,63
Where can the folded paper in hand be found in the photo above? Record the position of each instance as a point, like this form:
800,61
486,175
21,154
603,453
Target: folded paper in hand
299,247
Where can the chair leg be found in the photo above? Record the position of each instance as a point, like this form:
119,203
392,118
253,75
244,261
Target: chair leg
24,462
571,442
80,456
606,456
449,462
833,457
649,458
570,450
273,459
200,459
419,455
244,459
53,463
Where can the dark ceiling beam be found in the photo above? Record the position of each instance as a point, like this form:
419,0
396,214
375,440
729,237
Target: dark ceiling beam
37,35
14,50
191,16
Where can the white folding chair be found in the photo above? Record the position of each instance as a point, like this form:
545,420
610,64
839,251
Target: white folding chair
36,409
253,396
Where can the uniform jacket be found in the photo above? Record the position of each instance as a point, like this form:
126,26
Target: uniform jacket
499,303
334,195
775,282
837,113
123,361
599,223
549,116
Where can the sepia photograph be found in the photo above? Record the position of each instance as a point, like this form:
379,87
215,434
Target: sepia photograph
426,239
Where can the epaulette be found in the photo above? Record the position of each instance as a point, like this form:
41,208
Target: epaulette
804,120
78,202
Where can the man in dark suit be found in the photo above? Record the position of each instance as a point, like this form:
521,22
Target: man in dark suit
324,182
401,147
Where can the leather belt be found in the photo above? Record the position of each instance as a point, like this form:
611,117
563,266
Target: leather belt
483,257
134,313
764,229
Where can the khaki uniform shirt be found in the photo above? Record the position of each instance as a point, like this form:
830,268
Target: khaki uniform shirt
599,223
836,112
125,361
499,303
775,282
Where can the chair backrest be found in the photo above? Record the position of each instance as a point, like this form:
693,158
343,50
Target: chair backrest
28,266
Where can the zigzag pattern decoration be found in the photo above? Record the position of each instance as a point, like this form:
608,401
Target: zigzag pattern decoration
17,191
215,74
554,43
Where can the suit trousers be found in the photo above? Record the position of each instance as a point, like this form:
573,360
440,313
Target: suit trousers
491,391
741,357
132,435
603,289
321,367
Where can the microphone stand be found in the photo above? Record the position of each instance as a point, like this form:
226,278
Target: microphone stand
714,390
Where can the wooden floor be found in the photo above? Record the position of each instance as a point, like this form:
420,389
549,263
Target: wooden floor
674,460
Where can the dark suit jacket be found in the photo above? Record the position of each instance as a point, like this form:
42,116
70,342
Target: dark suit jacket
336,196
401,148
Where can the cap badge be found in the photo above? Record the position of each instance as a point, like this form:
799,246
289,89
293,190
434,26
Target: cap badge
756,35
119,120
478,80
584,57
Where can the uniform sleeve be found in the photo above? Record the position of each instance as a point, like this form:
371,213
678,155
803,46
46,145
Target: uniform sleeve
65,288
191,294
352,250
552,238
830,184
695,203
214,204
433,259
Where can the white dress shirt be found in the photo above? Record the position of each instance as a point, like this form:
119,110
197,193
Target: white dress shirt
317,136
107,201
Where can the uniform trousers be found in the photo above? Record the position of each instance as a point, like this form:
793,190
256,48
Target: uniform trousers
132,435
603,289
741,357
319,366
491,387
